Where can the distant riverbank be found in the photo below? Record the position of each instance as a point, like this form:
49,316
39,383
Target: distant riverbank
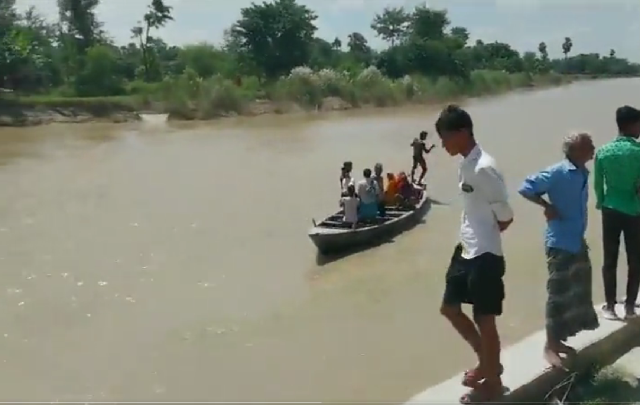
188,98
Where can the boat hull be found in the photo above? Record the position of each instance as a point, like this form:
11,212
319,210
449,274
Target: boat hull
336,240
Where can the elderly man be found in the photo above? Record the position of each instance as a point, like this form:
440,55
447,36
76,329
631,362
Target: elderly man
569,308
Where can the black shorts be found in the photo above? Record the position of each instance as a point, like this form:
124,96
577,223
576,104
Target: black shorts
419,161
476,281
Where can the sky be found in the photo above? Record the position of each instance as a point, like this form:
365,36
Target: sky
593,25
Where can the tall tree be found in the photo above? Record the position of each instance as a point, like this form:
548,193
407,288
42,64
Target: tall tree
157,16
544,53
277,36
336,44
461,34
428,24
391,24
79,22
359,48
566,47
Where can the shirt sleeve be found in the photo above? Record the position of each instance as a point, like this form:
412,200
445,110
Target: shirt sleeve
537,184
598,181
494,191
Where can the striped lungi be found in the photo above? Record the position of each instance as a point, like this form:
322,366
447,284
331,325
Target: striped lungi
569,308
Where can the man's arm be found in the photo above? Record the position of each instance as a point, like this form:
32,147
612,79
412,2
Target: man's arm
598,181
492,187
535,186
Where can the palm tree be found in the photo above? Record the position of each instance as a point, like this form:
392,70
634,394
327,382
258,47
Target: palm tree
566,46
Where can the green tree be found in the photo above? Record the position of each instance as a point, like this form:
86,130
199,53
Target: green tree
157,16
544,53
461,34
359,48
612,53
276,36
336,44
99,76
566,46
428,24
391,24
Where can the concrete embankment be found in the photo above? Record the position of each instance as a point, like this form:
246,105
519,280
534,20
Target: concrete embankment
527,376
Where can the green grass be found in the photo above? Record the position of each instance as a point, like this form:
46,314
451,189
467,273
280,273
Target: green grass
190,97
610,386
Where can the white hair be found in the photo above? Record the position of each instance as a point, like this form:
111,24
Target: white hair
572,139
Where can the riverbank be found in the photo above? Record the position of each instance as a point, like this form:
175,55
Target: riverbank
188,98
529,379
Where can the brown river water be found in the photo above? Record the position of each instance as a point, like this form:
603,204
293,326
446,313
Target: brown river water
167,262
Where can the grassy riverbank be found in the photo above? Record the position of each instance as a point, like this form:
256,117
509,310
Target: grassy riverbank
609,386
187,97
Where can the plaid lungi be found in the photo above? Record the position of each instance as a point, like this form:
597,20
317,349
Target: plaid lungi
569,308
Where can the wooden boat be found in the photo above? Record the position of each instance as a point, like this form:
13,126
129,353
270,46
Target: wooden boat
332,236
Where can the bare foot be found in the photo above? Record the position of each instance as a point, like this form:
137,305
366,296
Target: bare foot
566,349
552,356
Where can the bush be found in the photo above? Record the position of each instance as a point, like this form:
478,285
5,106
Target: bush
189,96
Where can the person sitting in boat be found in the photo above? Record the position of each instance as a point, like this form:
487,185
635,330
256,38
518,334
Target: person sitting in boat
345,177
349,203
391,191
407,193
367,190
379,179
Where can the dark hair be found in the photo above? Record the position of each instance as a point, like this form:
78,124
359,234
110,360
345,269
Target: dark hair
626,116
366,173
351,190
423,134
454,118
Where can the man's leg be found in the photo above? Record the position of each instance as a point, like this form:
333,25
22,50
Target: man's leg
559,264
487,292
414,165
455,294
423,167
611,228
631,233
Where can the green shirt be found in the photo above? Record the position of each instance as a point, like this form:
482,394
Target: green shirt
616,176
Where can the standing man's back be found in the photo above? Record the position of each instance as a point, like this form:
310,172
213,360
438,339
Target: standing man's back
616,182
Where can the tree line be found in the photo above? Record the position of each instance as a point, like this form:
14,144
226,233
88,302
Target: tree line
75,56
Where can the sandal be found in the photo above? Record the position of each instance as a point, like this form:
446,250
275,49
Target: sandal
471,378
483,394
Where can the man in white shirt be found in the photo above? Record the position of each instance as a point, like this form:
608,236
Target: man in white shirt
475,274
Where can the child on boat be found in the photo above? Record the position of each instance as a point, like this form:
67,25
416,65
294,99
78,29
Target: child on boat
350,203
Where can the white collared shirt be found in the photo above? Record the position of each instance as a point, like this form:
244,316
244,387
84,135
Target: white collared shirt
485,202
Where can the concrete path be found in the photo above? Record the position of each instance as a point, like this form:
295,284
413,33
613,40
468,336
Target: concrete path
526,373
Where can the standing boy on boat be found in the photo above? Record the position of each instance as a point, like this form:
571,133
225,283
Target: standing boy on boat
569,309
475,273
616,179
379,179
345,177
419,151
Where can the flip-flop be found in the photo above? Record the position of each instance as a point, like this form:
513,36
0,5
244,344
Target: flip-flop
471,378
483,395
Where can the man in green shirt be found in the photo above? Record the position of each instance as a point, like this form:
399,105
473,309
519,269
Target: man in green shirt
617,181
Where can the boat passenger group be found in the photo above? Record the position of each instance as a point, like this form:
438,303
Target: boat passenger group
477,266
367,200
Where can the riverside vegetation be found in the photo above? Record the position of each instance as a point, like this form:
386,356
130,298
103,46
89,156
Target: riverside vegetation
270,61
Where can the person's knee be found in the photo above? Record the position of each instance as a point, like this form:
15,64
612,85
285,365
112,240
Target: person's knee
485,321
450,311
